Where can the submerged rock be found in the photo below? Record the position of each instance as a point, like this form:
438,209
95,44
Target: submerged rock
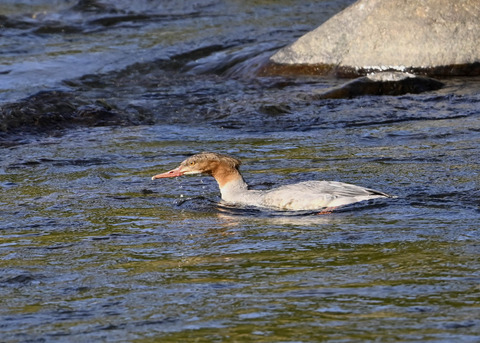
48,110
432,37
385,83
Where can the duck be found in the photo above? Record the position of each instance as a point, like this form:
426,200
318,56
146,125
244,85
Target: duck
323,196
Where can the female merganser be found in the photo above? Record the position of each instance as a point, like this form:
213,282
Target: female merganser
308,195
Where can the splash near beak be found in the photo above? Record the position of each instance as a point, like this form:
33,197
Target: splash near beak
172,173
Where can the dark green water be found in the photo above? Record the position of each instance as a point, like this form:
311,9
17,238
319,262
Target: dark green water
92,250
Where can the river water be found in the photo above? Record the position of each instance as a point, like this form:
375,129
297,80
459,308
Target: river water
92,250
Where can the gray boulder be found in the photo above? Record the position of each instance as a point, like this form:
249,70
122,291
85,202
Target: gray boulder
432,37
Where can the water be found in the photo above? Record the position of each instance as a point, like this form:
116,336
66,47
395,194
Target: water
92,250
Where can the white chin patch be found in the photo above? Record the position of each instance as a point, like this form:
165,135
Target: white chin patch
191,172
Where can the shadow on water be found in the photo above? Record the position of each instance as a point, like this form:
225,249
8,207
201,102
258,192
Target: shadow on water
98,96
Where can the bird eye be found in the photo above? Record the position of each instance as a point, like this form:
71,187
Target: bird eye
192,163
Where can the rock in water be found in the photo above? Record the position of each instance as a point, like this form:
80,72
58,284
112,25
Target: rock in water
432,37
384,83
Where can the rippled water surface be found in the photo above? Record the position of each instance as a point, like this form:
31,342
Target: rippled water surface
92,250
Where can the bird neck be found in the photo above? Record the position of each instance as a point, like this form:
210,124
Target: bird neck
235,190
225,175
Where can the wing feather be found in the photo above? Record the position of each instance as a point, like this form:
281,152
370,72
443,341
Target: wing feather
312,195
